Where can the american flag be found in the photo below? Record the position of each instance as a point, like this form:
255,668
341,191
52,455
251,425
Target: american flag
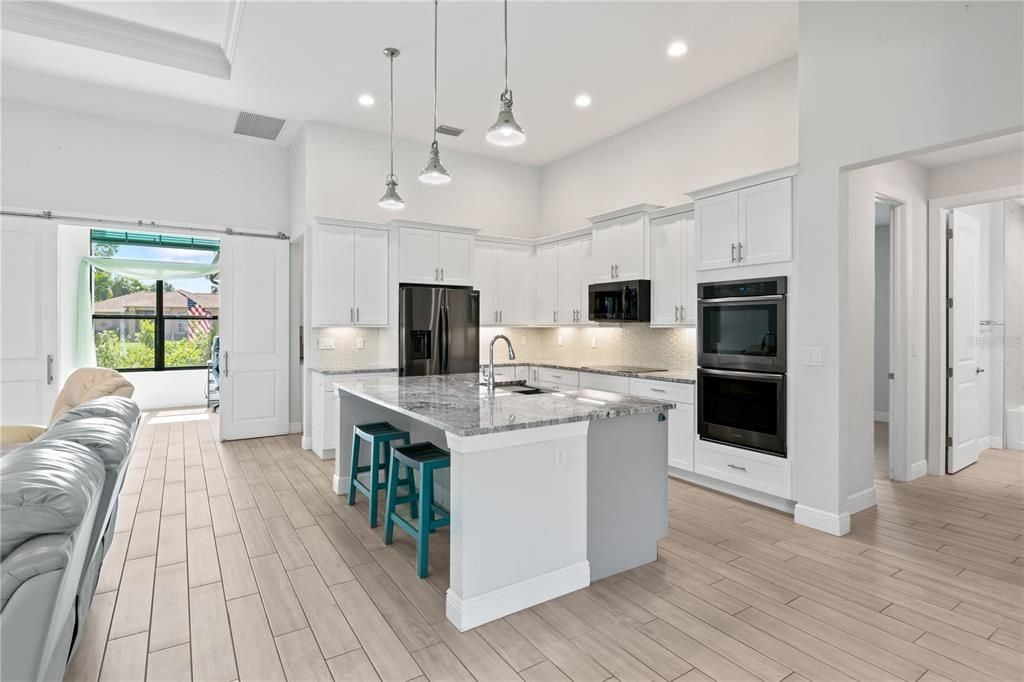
195,327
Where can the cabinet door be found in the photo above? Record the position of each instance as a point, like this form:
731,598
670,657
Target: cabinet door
370,271
605,251
485,265
417,256
547,284
688,271
455,258
766,223
666,269
332,281
569,277
680,437
717,229
515,284
586,266
630,253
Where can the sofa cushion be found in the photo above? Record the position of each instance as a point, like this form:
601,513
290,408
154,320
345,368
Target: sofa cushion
108,439
115,407
39,555
89,383
45,487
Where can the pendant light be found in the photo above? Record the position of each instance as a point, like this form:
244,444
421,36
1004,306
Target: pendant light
391,200
434,173
506,132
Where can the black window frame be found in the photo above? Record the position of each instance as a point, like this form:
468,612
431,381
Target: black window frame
159,329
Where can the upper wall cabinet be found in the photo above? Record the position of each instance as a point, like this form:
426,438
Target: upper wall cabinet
561,281
504,275
747,226
434,255
621,242
349,278
673,277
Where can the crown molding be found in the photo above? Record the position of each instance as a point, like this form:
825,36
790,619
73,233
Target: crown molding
77,26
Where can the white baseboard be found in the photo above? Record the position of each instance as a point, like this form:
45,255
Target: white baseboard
882,417
995,442
295,427
918,469
306,443
865,499
826,522
340,484
469,613
755,496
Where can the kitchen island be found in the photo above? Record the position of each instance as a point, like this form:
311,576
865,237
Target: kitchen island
547,491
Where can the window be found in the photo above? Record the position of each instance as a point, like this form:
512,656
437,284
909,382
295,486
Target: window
154,325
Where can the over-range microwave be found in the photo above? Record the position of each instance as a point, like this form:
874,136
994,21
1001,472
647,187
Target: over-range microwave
628,301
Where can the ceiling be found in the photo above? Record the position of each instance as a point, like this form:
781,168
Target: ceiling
309,61
971,152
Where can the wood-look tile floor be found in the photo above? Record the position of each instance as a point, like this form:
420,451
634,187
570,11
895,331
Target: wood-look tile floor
236,561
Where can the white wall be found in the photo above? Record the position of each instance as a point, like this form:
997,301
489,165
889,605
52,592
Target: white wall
158,390
875,81
345,172
994,172
77,163
742,129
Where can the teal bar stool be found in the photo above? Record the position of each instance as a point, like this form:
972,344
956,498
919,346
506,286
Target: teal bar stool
425,458
379,435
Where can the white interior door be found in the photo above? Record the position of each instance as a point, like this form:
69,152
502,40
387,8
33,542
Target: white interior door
29,377
254,337
965,419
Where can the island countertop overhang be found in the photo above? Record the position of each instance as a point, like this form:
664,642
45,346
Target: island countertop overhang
458,404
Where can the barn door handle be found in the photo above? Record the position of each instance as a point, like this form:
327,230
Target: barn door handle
225,361
49,370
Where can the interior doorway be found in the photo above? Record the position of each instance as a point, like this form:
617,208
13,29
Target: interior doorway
885,416
985,383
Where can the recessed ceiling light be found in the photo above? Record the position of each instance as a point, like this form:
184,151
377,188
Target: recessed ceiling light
583,100
677,49
366,100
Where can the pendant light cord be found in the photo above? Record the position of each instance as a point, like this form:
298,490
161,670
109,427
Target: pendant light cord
435,74
391,107
506,45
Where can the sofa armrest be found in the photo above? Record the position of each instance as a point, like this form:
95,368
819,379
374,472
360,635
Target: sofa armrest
19,433
41,554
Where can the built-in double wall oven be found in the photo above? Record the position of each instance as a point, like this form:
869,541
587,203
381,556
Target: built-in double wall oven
741,358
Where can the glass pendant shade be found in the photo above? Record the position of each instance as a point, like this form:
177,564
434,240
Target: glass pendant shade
434,173
506,132
391,200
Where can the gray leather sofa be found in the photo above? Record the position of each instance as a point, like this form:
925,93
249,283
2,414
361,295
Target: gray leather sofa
58,507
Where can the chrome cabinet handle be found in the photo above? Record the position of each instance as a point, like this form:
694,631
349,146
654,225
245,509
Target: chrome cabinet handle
616,270
224,361
682,313
732,258
351,314
501,316
49,370
357,314
736,466
556,315
677,313
611,270
739,252
436,278
658,390
442,274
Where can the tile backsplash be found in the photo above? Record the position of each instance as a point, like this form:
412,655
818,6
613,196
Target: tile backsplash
627,344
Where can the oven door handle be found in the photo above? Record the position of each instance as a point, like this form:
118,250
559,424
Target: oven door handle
761,376
745,299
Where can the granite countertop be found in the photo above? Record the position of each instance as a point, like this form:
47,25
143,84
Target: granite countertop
342,369
458,403
682,376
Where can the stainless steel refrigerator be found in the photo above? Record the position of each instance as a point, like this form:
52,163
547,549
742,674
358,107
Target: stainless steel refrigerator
438,330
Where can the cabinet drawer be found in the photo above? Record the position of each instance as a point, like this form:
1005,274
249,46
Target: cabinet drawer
748,469
661,390
500,374
330,379
566,378
604,382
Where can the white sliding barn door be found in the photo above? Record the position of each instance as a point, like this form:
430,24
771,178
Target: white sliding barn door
254,337
966,425
29,376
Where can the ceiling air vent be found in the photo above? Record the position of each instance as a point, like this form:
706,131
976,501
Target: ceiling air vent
450,130
257,125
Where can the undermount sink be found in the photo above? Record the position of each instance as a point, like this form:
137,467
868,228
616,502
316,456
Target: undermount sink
516,387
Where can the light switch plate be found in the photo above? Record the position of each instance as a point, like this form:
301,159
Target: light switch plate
325,343
559,339
813,357
360,342
593,342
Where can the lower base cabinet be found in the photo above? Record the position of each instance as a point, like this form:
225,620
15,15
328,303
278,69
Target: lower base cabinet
748,469
324,409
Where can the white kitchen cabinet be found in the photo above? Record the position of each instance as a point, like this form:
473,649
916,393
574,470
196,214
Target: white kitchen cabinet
349,278
748,226
324,409
681,420
546,261
621,242
570,275
429,256
504,277
673,275
746,468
